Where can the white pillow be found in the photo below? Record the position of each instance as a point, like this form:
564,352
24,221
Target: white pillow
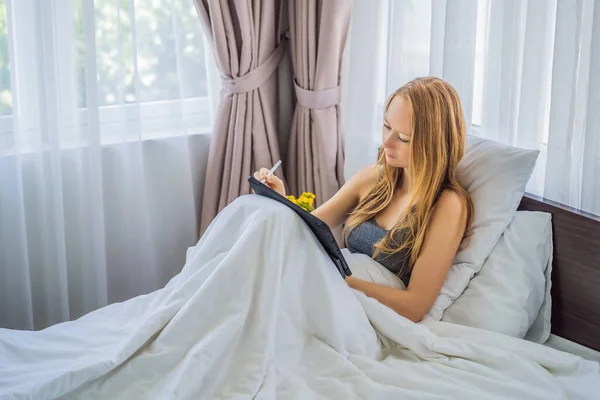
495,175
539,331
507,295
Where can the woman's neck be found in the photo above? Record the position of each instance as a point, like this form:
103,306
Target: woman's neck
405,183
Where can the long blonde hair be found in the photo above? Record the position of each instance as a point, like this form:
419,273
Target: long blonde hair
436,147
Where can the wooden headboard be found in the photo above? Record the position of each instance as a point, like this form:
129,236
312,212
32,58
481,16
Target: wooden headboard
575,271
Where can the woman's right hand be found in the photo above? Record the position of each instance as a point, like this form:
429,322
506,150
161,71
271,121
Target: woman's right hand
272,181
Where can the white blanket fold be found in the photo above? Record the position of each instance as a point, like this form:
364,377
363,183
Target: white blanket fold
259,311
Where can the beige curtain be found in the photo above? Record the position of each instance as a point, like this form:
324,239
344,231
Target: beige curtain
246,36
315,160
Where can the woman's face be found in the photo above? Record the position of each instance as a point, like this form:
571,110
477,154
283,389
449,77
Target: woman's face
397,131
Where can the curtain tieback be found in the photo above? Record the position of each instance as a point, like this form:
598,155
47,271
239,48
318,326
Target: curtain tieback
258,76
318,99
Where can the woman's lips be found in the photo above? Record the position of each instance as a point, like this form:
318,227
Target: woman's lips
388,155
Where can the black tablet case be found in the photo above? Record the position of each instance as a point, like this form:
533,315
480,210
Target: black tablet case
319,228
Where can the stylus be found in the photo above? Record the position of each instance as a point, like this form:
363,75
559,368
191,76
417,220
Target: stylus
277,164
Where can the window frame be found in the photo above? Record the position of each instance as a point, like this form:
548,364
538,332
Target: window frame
186,115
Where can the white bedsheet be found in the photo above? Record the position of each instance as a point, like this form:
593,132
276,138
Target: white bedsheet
259,311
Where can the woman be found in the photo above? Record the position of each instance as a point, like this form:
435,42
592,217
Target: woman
407,211
258,311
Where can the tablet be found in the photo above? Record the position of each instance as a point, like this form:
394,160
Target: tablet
319,228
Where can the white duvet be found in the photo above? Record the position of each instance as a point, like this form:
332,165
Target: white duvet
259,311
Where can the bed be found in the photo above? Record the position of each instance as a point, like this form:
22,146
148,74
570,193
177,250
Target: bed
575,271
239,322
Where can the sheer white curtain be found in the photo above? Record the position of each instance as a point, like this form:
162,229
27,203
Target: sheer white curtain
528,73
105,110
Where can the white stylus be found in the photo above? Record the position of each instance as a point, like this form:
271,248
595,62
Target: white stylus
277,164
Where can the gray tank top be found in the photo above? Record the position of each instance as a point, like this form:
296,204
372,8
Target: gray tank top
362,240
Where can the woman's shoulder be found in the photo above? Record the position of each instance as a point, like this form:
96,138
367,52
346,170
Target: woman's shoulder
365,178
451,203
367,175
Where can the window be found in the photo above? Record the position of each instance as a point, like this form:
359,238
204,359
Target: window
409,42
410,35
480,51
149,62
6,99
164,43
5,92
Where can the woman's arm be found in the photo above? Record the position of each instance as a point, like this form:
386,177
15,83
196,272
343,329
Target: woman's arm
429,272
337,208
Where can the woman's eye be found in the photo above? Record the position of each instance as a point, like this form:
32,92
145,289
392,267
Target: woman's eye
402,140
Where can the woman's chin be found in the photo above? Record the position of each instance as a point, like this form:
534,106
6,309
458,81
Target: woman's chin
392,162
